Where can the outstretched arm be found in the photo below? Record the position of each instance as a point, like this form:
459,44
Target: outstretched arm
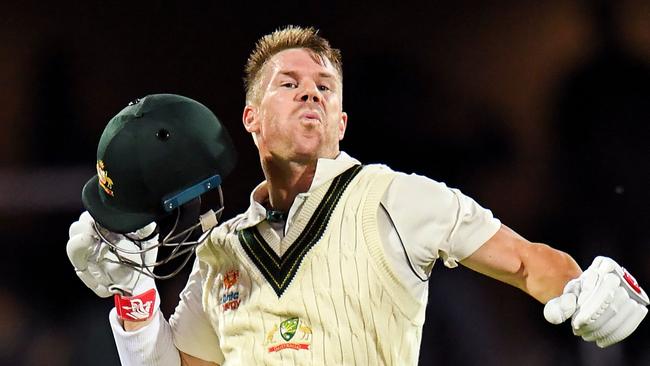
535,268
605,303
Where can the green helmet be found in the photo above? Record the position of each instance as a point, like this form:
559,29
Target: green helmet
157,154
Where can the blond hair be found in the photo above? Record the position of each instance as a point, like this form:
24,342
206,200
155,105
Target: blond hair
283,39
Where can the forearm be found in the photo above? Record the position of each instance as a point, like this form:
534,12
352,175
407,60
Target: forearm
130,326
535,268
150,344
546,271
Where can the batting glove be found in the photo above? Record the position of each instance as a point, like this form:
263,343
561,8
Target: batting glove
605,304
97,265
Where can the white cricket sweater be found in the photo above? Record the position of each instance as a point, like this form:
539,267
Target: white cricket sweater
331,299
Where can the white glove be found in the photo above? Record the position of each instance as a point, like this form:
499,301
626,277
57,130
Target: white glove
605,303
97,266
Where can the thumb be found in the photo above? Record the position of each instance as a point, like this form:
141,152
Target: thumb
561,308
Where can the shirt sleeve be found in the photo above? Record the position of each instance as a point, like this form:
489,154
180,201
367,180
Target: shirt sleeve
192,330
435,221
147,346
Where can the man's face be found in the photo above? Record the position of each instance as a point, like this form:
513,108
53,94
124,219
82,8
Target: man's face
299,115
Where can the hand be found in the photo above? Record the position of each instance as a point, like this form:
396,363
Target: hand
99,268
605,303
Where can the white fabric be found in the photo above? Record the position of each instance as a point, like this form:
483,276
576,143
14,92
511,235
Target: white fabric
348,306
148,346
190,324
599,304
432,220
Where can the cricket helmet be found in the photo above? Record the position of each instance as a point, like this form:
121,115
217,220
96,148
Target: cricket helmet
155,159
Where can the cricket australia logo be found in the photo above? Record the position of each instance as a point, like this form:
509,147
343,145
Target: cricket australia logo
230,298
104,181
292,333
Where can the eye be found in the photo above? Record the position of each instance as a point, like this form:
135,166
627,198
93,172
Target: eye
289,85
323,88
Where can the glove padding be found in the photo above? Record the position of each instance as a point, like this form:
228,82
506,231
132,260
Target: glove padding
96,265
605,304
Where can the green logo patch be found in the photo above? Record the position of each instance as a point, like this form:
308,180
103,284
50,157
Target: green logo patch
288,328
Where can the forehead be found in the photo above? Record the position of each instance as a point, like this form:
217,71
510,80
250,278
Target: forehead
297,60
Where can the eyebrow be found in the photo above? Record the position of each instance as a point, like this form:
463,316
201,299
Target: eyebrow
294,74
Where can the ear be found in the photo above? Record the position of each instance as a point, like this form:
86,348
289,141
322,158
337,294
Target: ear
249,118
343,123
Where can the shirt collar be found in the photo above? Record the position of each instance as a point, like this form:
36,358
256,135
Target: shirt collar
326,170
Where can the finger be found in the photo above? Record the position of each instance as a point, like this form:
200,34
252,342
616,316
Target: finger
574,286
561,308
622,332
91,282
598,322
129,250
605,265
623,311
593,275
607,318
588,283
85,217
593,303
80,227
79,248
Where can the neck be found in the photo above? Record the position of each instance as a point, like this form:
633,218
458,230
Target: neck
286,180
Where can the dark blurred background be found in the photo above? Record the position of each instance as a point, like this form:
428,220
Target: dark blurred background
537,109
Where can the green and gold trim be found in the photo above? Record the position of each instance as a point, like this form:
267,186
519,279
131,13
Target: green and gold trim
279,271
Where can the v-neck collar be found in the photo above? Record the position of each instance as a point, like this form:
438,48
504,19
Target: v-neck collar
302,236
326,171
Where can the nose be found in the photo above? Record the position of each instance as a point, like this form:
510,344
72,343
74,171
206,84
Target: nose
310,94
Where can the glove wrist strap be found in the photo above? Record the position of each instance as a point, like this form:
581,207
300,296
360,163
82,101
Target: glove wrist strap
136,308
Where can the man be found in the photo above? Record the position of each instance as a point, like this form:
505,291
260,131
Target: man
331,256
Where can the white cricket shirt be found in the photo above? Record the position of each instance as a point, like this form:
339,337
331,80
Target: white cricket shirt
432,221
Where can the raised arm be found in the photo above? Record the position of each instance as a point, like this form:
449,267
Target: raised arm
147,339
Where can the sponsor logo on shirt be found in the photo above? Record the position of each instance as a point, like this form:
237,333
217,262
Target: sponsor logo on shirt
230,298
230,279
291,333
